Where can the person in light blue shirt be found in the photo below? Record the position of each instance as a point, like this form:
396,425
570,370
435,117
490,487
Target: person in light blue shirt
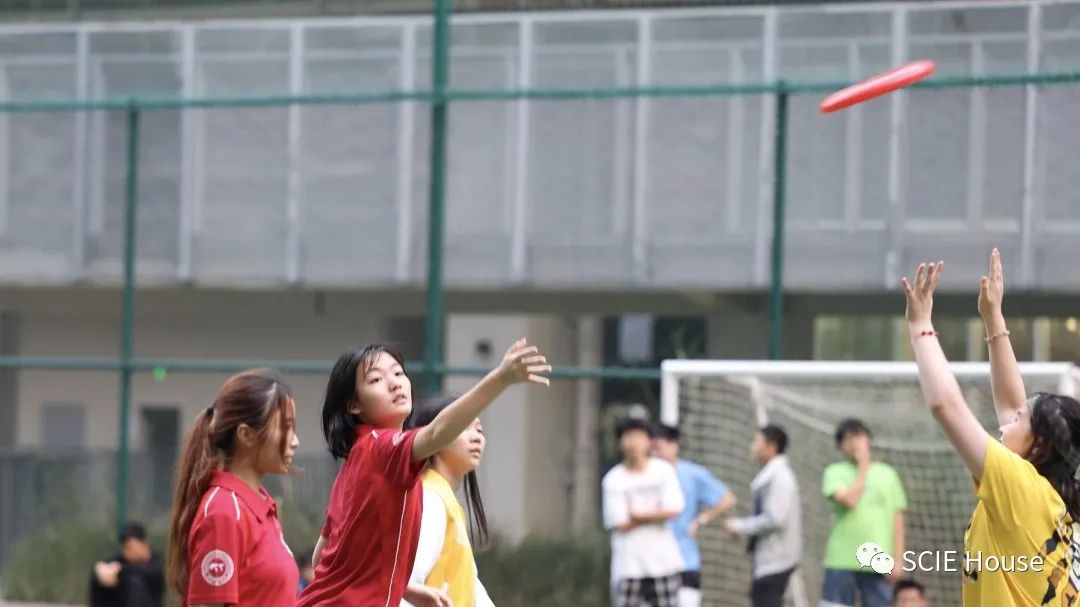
706,497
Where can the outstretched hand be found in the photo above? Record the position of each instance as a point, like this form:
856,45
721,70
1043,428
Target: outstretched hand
992,288
524,363
920,296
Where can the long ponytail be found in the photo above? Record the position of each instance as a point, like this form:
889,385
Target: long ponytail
197,466
249,398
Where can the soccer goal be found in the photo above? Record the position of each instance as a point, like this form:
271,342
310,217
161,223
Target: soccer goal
718,405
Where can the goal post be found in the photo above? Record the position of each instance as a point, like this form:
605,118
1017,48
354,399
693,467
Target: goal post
718,406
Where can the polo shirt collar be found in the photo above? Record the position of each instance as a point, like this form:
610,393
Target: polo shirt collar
260,503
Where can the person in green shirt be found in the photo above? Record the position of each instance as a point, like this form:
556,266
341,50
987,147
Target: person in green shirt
868,503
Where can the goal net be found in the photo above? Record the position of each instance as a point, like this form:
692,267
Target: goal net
718,405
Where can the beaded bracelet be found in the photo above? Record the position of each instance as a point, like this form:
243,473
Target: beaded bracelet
930,333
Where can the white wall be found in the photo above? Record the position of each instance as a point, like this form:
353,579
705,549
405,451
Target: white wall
528,469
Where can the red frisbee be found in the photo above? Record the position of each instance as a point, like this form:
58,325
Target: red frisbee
876,86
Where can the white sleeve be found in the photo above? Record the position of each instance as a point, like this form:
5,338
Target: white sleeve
482,598
672,496
616,507
432,534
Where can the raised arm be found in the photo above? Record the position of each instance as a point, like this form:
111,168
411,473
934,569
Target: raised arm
939,385
1005,379
522,363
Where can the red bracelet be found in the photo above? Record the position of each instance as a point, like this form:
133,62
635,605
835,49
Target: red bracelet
924,334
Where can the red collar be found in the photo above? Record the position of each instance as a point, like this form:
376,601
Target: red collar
260,503
374,432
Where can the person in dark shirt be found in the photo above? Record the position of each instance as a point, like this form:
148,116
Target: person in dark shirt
132,578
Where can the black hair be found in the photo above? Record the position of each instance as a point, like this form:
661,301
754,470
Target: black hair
634,423
339,425
666,432
131,531
1055,424
776,436
851,427
906,584
474,504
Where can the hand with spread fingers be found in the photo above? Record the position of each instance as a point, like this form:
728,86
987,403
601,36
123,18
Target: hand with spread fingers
920,295
524,363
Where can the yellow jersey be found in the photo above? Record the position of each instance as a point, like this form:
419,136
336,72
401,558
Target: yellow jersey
453,567
1021,544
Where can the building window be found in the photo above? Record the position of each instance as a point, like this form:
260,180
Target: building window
63,427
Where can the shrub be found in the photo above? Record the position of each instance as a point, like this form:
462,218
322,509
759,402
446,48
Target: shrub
543,571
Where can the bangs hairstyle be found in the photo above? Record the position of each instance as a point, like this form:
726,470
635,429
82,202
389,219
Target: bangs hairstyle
474,505
339,426
249,398
1055,453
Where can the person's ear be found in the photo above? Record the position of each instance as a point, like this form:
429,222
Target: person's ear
246,435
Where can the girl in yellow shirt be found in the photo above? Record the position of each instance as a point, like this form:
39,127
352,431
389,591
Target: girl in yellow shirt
444,557
1022,543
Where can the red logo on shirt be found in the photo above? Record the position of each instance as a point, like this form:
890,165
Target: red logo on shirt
217,568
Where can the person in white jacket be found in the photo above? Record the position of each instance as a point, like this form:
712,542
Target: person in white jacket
774,529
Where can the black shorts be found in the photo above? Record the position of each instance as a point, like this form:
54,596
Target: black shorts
691,579
768,591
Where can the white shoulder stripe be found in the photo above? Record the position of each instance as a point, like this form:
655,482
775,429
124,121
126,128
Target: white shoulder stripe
397,548
213,494
236,505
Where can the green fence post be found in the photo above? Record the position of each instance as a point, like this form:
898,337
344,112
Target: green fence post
776,296
131,201
433,332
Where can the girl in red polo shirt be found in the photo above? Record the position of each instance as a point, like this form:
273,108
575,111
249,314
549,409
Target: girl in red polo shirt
365,554
225,545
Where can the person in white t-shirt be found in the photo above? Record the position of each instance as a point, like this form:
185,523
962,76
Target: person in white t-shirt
641,494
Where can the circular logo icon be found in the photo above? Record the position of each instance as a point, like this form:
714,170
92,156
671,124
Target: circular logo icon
866,552
882,563
217,568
